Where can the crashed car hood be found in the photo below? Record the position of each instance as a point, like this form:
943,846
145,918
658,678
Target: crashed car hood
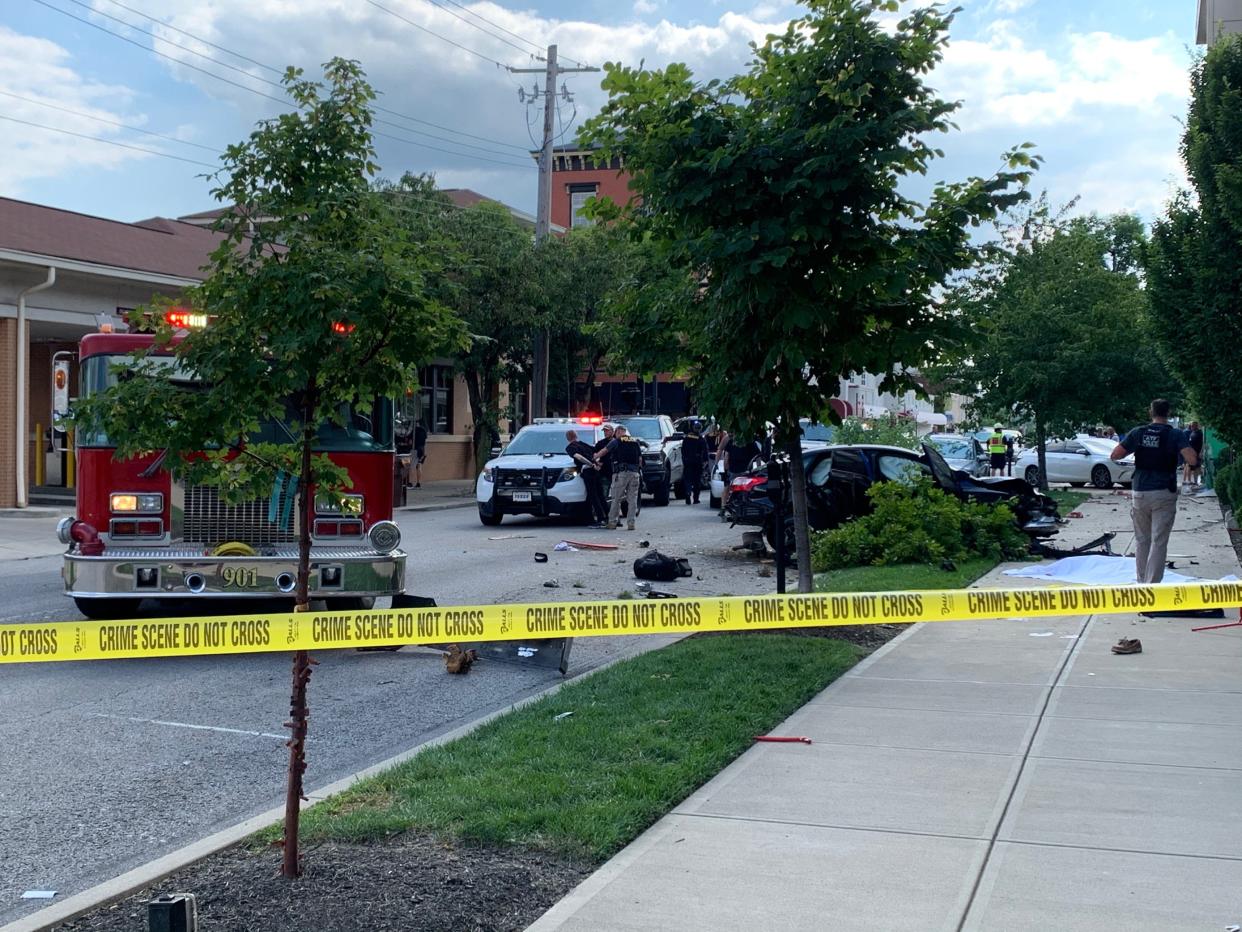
1010,484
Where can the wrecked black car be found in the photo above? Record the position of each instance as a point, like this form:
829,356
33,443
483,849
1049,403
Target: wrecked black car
838,477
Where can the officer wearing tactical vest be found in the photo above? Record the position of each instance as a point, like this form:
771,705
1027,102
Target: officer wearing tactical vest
996,450
1154,503
626,456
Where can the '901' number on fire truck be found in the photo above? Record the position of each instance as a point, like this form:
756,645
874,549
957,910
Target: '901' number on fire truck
240,577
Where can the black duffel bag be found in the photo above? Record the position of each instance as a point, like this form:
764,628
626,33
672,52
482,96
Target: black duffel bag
657,567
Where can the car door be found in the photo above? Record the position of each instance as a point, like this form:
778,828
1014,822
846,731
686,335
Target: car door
848,486
1077,462
1054,462
819,501
672,448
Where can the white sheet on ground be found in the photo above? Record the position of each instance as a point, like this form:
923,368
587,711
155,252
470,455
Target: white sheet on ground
1091,570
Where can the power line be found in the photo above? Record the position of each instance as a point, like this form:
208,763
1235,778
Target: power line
539,47
244,72
109,142
191,35
91,116
184,48
455,44
285,102
153,51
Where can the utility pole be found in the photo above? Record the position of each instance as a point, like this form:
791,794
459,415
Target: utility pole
543,214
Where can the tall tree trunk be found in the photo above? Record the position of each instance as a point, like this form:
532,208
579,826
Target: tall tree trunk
802,529
479,393
299,710
1040,453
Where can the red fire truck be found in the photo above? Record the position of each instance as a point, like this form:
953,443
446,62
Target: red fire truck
140,534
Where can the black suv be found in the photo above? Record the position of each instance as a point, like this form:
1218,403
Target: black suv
661,453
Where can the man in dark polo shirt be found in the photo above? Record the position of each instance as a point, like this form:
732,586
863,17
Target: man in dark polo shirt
1154,502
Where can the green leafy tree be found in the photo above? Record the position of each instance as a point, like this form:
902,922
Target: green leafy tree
492,283
1194,268
316,311
782,193
1057,325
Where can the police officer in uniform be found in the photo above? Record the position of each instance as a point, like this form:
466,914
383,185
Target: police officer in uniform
626,456
605,467
1154,501
583,454
693,458
996,450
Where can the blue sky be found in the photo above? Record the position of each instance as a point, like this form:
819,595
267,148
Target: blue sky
1097,86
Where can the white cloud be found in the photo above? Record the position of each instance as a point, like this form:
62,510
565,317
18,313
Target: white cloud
1117,94
1008,6
39,70
1003,80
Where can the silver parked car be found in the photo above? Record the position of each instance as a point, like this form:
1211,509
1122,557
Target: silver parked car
961,451
1077,461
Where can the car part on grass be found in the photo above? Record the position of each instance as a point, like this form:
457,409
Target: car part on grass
783,739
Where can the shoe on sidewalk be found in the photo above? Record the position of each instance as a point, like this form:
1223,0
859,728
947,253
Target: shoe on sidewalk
1128,646
630,526
610,526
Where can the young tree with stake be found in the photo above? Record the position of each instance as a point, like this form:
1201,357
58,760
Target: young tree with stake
318,305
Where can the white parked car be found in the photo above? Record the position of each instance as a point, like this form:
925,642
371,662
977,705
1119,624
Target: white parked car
1077,461
533,475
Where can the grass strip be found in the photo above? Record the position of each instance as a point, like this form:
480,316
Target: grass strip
642,736
1068,499
902,576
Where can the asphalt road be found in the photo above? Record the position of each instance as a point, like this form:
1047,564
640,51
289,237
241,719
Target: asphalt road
110,764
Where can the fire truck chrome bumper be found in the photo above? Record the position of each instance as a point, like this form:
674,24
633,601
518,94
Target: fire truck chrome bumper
153,573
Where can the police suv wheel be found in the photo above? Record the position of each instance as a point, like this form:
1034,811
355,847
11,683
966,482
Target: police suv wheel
492,518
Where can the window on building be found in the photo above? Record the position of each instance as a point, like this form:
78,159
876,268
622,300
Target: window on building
579,194
436,394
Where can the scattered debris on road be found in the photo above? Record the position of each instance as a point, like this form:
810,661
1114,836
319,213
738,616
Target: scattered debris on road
458,660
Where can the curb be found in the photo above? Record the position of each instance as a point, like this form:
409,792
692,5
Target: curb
435,507
37,511
153,871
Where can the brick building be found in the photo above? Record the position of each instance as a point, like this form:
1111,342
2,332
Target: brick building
579,174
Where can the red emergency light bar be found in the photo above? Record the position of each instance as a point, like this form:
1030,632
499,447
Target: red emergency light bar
338,327
591,419
185,320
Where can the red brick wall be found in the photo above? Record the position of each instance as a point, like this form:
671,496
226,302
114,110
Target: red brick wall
612,184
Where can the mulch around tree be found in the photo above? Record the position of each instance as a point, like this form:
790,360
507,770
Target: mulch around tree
868,637
411,883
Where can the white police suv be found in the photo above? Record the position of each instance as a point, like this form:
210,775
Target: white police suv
533,475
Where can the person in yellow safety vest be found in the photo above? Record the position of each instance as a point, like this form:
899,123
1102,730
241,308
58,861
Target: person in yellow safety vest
996,450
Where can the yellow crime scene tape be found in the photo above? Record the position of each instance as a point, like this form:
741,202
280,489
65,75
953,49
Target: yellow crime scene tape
286,631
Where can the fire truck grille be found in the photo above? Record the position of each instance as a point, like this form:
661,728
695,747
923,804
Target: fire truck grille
208,520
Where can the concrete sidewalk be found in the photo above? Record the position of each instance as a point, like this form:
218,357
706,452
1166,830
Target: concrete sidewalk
999,775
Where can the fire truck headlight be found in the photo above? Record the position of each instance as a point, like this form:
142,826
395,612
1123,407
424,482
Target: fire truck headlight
385,536
349,505
146,503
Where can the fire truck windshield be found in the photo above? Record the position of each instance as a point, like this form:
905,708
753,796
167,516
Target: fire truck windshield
353,430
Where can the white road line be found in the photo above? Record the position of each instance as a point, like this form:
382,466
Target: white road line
156,721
